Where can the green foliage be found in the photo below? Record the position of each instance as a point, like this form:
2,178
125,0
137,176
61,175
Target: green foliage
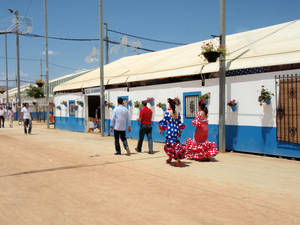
137,104
265,95
35,92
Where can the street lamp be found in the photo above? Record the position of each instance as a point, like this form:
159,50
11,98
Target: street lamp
16,13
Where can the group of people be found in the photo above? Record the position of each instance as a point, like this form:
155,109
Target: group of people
10,116
196,148
26,117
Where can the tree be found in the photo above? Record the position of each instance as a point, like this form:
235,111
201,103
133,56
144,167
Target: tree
35,92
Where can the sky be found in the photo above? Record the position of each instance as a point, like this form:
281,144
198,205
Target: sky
177,21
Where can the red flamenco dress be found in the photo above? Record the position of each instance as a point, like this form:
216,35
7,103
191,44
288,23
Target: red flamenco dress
173,147
200,147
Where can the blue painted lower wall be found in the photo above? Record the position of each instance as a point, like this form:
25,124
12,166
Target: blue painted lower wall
251,139
69,123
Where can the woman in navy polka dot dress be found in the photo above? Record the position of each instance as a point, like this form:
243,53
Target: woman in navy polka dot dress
173,126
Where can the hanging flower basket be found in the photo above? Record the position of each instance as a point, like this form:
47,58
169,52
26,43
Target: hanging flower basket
265,96
211,56
162,106
151,101
40,83
204,98
80,103
177,101
137,104
75,107
58,107
232,104
129,103
64,103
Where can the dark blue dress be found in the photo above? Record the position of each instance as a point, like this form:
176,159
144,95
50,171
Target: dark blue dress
173,147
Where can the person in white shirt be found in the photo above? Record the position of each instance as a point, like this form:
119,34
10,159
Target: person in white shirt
118,124
2,116
26,117
10,116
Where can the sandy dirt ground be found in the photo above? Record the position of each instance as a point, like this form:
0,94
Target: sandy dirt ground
55,177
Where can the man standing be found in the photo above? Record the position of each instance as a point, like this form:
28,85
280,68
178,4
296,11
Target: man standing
146,127
26,117
2,116
118,124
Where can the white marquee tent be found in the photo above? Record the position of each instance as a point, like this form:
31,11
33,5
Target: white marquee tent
273,45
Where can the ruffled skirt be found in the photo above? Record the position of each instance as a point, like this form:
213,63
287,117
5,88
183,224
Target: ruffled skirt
205,150
175,150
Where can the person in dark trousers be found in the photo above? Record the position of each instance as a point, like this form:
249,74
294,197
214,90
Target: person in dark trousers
118,124
2,116
27,118
146,127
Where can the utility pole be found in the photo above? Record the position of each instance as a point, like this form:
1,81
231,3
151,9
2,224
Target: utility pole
47,72
106,43
41,69
6,65
18,66
222,79
102,99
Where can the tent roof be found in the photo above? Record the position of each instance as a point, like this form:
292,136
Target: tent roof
273,45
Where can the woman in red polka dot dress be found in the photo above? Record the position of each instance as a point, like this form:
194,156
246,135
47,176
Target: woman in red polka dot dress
200,147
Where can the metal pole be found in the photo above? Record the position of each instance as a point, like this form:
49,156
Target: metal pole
47,72
106,44
41,69
222,79
18,66
101,68
6,65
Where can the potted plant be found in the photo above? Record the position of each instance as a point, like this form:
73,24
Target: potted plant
111,105
58,107
80,103
177,101
232,104
137,104
162,106
40,83
205,97
129,103
64,103
212,53
265,96
75,107
150,100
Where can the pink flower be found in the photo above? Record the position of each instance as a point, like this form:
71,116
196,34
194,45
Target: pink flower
262,86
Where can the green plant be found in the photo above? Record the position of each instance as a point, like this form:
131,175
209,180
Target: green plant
161,105
110,105
64,103
80,102
40,82
34,92
137,104
265,95
210,47
206,96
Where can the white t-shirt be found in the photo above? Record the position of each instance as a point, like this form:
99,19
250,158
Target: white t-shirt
26,113
2,112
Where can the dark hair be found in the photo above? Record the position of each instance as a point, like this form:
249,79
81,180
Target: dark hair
144,103
172,104
203,107
120,101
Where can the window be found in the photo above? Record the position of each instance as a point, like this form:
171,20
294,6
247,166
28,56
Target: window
288,109
71,108
191,106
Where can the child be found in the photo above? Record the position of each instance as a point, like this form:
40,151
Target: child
172,123
200,147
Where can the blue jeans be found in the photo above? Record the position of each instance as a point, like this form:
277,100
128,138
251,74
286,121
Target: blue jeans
145,129
118,134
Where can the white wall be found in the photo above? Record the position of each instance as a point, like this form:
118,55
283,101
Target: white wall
245,89
64,112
